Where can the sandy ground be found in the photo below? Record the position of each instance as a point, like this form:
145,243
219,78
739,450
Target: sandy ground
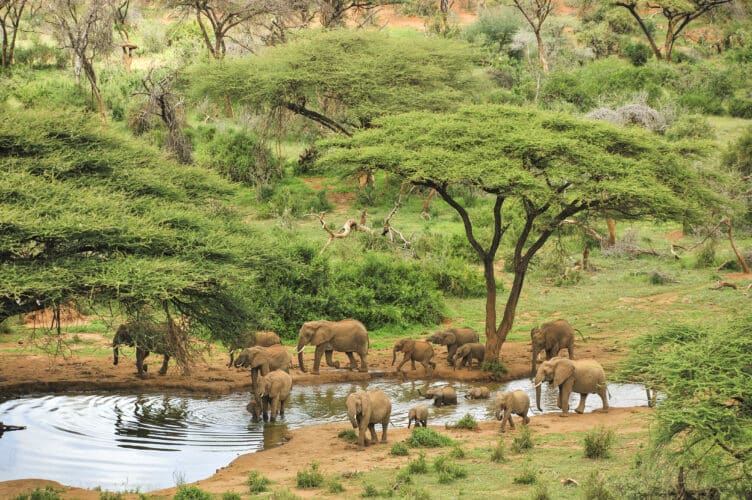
23,374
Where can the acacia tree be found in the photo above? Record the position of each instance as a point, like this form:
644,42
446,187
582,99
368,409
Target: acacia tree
538,169
85,28
11,12
535,13
678,15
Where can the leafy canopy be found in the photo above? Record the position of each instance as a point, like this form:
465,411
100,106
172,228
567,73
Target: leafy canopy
348,76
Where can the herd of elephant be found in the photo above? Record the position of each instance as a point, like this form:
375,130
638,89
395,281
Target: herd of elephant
269,364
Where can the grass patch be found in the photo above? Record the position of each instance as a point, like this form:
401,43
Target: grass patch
419,465
48,493
425,437
231,496
528,476
523,441
541,492
191,493
466,422
310,477
457,452
496,369
447,470
497,452
257,483
595,487
598,442
348,435
335,487
399,450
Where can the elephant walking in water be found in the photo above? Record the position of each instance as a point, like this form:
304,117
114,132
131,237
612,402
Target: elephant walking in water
415,350
348,336
441,396
146,337
365,410
581,376
272,392
264,360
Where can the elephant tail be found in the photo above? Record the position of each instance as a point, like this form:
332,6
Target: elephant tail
581,335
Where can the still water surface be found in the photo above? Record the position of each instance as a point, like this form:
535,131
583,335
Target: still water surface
145,442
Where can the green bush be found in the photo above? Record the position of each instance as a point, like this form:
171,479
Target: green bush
493,30
419,465
457,452
425,437
310,478
456,278
369,491
523,441
348,435
740,107
541,491
702,103
38,55
447,470
48,493
598,442
399,449
497,452
191,493
335,487
595,487
257,483
691,127
496,369
705,255
738,156
527,476
239,155
466,422
638,53
231,496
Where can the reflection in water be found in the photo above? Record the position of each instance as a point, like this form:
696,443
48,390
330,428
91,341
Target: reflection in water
122,441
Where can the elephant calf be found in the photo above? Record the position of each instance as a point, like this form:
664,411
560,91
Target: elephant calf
146,337
273,391
478,393
415,350
263,339
466,353
419,415
453,338
263,360
441,395
365,410
516,402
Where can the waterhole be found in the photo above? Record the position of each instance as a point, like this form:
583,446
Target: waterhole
143,442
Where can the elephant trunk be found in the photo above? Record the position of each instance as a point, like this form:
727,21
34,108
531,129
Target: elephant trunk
352,416
301,345
538,397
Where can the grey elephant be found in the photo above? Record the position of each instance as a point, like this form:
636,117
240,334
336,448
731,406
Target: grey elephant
419,415
441,395
581,376
481,392
453,338
414,350
349,336
507,403
552,337
254,408
264,360
273,391
146,337
365,410
251,339
466,353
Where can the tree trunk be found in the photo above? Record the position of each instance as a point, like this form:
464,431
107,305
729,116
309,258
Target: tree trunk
492,345
611,223
541,52
92,77
633,10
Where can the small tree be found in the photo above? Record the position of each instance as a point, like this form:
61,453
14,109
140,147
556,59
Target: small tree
535,13
537,168
10,20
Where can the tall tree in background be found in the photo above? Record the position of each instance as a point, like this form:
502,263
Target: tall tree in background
678,15
10,19
85,28
535,13
539,169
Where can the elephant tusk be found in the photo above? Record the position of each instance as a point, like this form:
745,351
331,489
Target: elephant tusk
538,384
299,350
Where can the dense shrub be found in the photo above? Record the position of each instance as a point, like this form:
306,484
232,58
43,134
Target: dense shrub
466,422
493,30
457,278
39,55
310,477
191,493
399,449
447,470
738,156
239,155
691,127
527,476
523,441
419,465
257,483
425,437
598,442
740,107
497,452
638,53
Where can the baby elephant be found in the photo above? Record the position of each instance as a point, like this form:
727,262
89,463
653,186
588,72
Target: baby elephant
441,395
365,410
418,414
468,352
273,391
415,350
516,402
478,393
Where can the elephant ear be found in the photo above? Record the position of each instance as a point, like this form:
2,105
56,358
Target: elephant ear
408,345
564,369
450,338
320,334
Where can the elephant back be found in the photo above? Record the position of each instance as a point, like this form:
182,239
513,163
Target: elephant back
381,406
465,335
588,375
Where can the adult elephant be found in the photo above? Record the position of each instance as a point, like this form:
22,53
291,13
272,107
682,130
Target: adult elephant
414,350
264,360
507,403
348,336
365,410
146,337
581,376
552,337
441,396
272,392
252,339
453,338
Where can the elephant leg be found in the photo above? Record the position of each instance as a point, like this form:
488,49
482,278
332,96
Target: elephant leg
571,352
274,409
362,441
427,368
363,365
353,362
317,359
604,398
581,407
450,354
525,418
374,438
405,358
384,425
166,360
140,357
329,360
265,408
509,417
564,399
254,379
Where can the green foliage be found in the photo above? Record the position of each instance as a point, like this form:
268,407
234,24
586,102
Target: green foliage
238,155
109,495
349,435
334,487
48,493
598,442
541,491
257,483
660,278
447,470
231,496
39,55
425,437
399,449
496,369
692,127
419,465
191,493
455,277
528,476
466,422
493,30
369,491
595,487
309,478
638,53
740,107
497,452
738,156
523,441
457,452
